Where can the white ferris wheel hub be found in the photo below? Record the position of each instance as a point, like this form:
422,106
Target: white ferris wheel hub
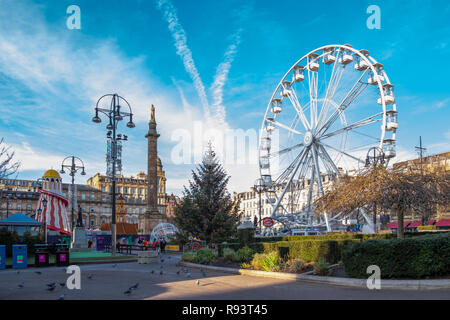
308,139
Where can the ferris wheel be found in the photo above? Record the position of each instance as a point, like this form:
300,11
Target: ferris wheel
331,106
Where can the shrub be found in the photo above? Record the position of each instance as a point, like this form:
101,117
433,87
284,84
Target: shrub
322,268
268,239
188,256
416,257
30,240
229,255
245,265
8,238
308,250
223,245
205,256
257,261
295,265
266,261
245,254
342,236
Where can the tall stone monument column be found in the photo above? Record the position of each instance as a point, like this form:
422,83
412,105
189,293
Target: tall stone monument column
152,216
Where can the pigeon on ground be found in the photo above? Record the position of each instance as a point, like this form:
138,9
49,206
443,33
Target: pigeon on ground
38,272
51,288
114,265
178,272
18,272
89,276
21,285
62,284
153,271
51,284
162,260
188,274
198,282
134,287
128,291
161,272
61,297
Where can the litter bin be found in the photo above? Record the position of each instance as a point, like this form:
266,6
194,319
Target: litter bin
2,256
41,255
19,252
62,256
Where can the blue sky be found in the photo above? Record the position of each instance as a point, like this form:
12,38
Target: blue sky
231,54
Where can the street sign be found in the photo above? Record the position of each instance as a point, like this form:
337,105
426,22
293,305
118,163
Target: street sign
267,222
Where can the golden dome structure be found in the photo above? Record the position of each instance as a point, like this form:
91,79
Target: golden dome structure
51,174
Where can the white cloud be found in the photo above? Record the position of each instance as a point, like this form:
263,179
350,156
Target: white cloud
221,77
179,36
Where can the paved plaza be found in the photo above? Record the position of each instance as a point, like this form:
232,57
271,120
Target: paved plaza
110,281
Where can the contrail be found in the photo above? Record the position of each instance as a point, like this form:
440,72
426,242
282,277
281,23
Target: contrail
179,36
221,77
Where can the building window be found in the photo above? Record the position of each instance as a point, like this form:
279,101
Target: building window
119,189
133,190
92,196
83,196
103,188
19,206
29,207
125,190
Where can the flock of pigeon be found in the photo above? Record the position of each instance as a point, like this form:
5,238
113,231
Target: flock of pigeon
53,285
161,272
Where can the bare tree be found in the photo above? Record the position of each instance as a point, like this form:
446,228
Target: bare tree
7,164
391,190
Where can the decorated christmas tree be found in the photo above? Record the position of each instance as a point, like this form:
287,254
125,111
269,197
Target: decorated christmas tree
207,210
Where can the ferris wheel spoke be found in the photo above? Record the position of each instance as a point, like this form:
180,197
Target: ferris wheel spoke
279,124
342,152
331,90
354,92
316,165
283,151
311,185
298,108
326,158
292,175
289,168
312,82
358,124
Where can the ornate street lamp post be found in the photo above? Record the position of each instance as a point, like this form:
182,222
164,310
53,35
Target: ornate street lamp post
73,168
259,187
44,204
89,217
114,114
375,156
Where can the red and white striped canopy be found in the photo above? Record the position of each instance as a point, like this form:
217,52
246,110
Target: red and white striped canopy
55,213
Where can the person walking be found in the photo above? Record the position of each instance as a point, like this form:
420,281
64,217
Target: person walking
163,245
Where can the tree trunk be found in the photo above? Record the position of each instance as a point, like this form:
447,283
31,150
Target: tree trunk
400,229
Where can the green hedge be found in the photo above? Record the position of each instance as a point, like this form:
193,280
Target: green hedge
344,236
268,239
310,250
416,257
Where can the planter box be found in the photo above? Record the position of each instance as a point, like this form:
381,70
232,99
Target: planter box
146,257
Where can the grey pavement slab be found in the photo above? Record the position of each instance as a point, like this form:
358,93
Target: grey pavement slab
110,282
